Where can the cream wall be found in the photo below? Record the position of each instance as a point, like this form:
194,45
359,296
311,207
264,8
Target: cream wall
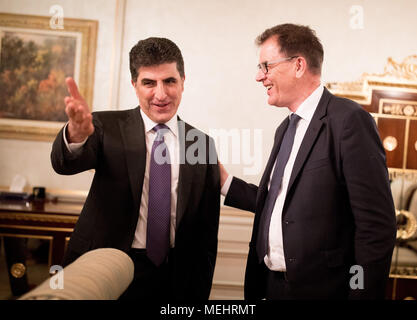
217,41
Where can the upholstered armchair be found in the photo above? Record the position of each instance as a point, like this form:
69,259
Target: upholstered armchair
101,274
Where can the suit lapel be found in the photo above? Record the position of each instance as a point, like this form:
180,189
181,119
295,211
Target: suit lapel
133,136
186,173
310,136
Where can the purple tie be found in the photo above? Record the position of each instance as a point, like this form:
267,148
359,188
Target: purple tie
159,205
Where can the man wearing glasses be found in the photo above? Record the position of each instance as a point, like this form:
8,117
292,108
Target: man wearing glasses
324,224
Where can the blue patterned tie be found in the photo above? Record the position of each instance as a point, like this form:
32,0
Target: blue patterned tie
159,204
275,186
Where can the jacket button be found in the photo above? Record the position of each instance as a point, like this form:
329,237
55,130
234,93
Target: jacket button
291,259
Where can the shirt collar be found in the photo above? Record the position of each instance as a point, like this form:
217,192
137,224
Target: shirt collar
309,105
149,124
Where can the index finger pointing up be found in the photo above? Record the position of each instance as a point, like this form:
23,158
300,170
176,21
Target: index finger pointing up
72,88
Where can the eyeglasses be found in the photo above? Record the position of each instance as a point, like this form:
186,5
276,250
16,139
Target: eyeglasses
264,65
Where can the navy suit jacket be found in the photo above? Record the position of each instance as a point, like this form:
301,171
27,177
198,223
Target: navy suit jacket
338,210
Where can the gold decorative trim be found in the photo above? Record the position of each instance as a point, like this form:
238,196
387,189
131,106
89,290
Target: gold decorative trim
408,174
390,143
404,70
38,217
410,111
358,91
30,236
397,76
67,239
400,276
395,107
398,86
407,134
389,116
28,132
33,228
18,270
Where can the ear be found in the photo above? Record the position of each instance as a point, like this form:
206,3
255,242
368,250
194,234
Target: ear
182,82
300,66
133,83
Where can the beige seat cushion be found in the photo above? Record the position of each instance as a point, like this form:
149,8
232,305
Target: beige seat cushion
101,274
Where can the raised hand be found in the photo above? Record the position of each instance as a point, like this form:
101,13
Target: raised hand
80,125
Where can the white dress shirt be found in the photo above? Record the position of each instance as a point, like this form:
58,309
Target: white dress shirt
275,259
172,142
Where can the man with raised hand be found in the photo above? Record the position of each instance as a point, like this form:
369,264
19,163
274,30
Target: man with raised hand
149,197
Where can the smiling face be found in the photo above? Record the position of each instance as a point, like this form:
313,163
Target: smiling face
159,90
280,80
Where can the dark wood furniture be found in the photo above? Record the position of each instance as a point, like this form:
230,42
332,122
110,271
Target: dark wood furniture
53,221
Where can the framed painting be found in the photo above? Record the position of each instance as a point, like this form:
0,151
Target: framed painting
35,59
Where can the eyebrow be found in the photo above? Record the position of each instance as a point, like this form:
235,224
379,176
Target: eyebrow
170,79
145,80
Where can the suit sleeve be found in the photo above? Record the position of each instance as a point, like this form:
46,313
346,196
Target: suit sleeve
67,163
210,209
241,195
367,183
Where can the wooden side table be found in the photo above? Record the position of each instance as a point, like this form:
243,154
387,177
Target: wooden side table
53,221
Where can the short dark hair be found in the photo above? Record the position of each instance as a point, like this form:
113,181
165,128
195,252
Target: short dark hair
296,40
154,51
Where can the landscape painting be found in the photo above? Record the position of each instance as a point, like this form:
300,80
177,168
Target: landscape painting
33,68
35,59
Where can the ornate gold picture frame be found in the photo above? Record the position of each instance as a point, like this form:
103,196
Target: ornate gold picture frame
35,59
391,98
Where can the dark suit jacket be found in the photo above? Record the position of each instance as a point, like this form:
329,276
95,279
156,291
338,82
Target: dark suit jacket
110,214
338,210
